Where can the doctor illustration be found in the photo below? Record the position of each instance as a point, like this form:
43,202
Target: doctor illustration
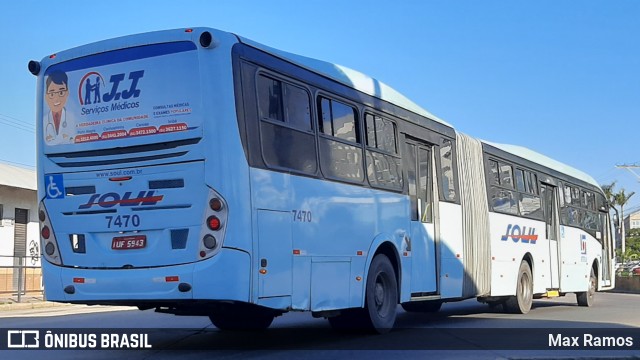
58,127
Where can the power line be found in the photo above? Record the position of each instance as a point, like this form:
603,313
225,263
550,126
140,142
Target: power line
16,119
17,126
630,167
15,123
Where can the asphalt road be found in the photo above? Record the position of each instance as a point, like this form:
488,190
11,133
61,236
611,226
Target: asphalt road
467,330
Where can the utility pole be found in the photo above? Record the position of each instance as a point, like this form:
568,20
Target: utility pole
631,168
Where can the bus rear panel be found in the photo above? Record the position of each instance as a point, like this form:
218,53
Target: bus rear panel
131,210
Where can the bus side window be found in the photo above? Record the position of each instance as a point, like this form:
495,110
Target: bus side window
384,168
506,175
520,180
339,120
446,171
297,107
532,183
424,180
287,138
340,155
270,98
412,177
284,102
494,174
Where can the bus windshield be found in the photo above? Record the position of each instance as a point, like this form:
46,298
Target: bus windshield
124,97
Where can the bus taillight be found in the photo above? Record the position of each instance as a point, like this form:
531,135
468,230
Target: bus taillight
209,242
50,249
46,233
214,223
48,237
212,235
215,204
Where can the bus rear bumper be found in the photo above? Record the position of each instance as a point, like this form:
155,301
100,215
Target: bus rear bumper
226,276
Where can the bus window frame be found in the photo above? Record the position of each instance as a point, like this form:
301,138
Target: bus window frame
454,164
318,95
397,155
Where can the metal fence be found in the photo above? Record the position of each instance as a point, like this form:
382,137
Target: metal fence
20,277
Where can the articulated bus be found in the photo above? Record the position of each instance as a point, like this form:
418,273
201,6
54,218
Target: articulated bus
196,172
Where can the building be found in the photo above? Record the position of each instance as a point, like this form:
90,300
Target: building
19,238
632,221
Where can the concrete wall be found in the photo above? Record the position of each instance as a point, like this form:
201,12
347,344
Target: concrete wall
627,284
10,199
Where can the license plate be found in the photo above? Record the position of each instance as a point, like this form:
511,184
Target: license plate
129,242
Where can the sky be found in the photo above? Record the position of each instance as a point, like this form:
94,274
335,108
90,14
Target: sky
559,77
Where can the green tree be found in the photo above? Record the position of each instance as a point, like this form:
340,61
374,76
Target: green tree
609,193
633,241
619,198
628,255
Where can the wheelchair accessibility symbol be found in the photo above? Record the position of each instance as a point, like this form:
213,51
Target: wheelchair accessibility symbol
54,186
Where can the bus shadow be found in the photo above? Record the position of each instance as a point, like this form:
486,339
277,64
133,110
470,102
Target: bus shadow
449,329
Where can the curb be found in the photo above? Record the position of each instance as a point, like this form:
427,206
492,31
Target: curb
30,305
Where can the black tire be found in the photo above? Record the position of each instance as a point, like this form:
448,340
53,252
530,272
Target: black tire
422,306
381,296
242,317
586,298
522,301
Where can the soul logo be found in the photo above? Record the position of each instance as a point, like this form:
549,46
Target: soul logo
112,199
518,234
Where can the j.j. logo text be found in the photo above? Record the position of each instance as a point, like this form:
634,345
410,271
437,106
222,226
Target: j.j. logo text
92,84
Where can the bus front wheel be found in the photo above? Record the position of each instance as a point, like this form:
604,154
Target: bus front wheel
522,301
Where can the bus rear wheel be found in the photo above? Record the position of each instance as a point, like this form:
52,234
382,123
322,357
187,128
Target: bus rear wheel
381,297
522,301
241,317
586,298
381,301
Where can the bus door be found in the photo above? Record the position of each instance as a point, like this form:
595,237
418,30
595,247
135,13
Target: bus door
418,163
550,203
607,248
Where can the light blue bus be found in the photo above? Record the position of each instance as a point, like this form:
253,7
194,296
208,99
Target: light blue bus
196,172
